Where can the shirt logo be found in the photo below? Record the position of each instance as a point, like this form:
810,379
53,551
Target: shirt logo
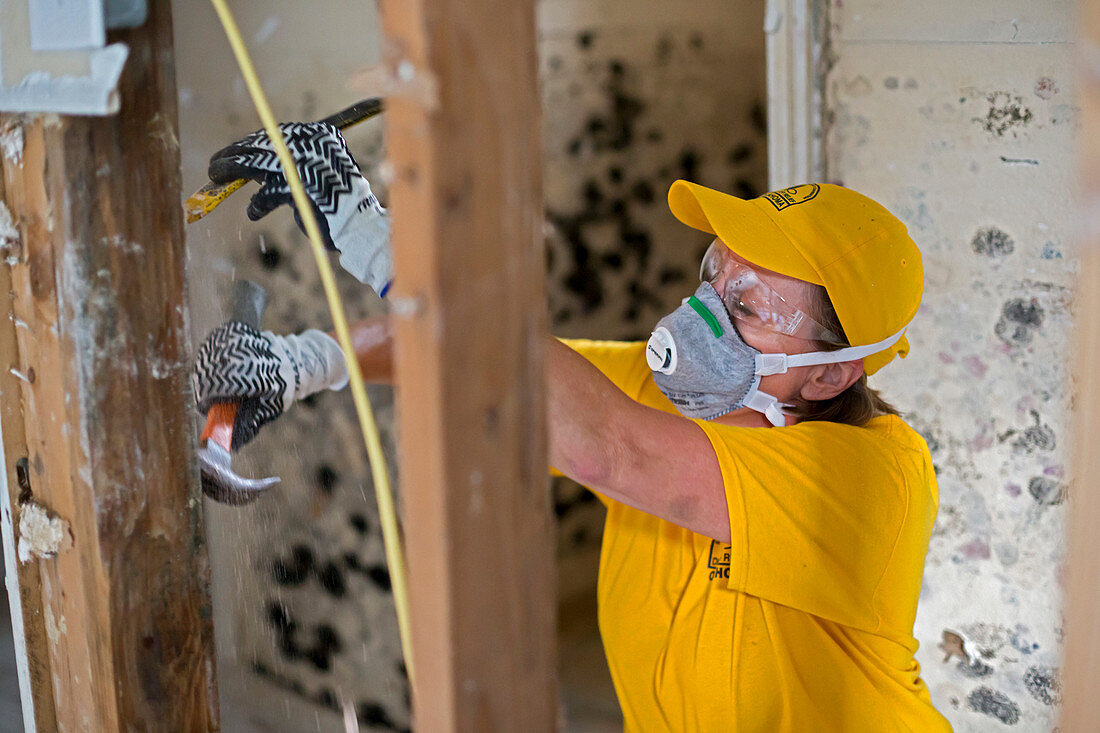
785,197
719,560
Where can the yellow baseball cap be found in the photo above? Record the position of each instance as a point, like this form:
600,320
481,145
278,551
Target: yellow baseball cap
828,235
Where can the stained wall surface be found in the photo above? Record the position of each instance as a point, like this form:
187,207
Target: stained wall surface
961,118
636,95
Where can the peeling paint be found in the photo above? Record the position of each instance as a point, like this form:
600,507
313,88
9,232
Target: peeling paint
9,234
11,142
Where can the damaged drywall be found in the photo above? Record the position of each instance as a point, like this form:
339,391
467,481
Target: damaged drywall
965,130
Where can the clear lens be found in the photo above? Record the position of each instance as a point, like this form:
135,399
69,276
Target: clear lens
752,302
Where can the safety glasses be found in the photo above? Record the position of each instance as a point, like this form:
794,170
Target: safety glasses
753,303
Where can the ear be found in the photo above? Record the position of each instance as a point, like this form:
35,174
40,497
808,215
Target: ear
828,380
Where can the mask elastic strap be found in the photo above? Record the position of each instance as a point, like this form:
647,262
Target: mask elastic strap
770,406
779,363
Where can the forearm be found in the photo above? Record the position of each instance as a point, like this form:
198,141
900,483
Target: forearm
372,339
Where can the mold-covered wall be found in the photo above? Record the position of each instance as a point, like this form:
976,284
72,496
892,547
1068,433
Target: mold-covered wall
960,118
635,97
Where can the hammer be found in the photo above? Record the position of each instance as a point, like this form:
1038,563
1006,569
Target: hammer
219,482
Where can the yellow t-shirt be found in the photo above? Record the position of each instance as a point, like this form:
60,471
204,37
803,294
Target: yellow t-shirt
804,622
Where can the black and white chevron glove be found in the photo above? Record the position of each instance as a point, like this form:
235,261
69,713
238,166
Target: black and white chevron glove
263,373
351,219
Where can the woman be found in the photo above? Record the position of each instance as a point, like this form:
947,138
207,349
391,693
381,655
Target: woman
768,513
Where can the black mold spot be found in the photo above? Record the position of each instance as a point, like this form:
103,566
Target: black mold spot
295,570
758,115
891,82
332,580
270,256
992,242
995,704
380,577
744,189
975,669
664,49
373,714
1006,112
1036,437
585,38
654,136
326,478
696,41
1042,683
359,523
615,174
740,154
1046,491
643,192
1019,319
613,260
278,616
689,164
670,275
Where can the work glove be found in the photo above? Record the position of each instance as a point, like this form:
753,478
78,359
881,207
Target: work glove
263,373
349,215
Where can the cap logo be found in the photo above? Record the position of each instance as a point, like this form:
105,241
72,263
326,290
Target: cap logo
785,197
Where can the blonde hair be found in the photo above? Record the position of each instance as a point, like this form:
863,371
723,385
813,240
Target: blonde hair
855,405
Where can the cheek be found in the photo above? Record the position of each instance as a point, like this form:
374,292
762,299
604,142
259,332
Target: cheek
784,387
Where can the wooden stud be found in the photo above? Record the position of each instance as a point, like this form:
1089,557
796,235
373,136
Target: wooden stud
465,145
1082,649
120,621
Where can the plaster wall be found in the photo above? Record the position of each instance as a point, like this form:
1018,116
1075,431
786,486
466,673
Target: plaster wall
965,129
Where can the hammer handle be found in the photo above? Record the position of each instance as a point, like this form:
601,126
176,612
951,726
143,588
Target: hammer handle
219,424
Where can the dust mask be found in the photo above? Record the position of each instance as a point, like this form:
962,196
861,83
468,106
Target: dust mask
704,367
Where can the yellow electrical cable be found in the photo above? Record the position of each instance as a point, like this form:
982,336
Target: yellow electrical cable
382,490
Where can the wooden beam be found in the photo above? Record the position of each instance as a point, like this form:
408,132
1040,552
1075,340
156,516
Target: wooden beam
465,145
97,340
1080,711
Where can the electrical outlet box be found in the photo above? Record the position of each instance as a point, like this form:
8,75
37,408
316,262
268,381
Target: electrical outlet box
54,57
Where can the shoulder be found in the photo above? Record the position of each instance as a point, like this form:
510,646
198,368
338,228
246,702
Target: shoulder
623,362
884,451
